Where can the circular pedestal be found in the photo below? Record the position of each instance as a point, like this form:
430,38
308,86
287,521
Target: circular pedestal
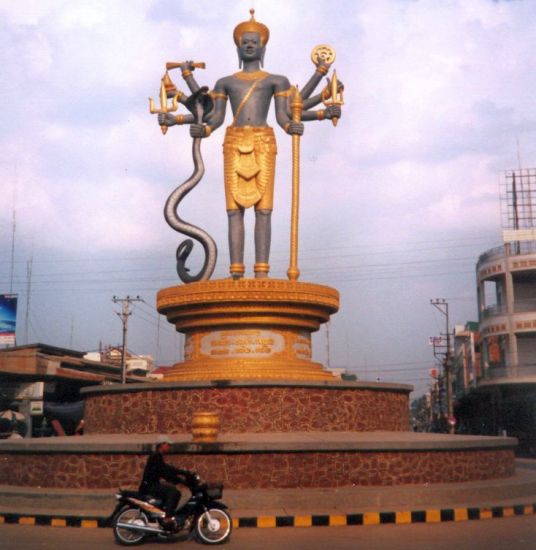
247,461
248,329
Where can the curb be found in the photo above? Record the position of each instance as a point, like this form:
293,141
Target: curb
321,520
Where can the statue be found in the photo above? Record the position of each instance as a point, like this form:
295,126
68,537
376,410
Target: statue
249,146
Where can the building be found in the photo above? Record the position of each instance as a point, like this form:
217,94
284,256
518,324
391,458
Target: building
138,365
505,400
466,358
39,381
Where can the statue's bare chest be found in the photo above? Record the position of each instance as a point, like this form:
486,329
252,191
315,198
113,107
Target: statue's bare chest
259,90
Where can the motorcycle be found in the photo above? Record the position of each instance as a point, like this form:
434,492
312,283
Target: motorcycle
138,516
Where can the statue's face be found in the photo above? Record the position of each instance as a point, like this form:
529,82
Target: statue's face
250,48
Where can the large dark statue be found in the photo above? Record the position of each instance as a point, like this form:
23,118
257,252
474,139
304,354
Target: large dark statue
249,146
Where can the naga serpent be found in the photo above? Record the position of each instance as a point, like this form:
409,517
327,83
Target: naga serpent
198,103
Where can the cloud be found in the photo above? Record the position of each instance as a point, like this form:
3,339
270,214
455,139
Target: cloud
438,99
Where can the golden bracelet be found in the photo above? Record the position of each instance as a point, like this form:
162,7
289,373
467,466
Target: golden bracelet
179,119
208,131
186,73
286,127
322,69
321,115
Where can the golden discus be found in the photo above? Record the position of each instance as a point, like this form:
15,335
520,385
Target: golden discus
324,53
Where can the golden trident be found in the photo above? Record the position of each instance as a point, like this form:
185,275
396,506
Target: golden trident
165,85
336,96
296,106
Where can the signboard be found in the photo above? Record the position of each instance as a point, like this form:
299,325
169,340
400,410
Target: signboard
513,235
36,408
8,318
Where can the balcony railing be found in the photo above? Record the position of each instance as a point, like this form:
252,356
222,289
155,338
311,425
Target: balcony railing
525,369
492,311
523,306
492,254
520,248
520,306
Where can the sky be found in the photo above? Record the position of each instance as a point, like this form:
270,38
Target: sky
397,201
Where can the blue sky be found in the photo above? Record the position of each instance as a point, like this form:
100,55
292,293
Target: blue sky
397,201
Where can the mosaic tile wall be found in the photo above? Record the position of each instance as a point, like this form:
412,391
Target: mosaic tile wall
263,470
249,409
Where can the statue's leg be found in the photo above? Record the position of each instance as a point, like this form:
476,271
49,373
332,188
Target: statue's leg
263,233
236,242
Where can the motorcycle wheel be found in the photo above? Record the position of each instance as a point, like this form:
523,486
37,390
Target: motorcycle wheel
129,537
214,526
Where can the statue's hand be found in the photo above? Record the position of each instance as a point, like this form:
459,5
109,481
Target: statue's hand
187,66
324,64
197,130
333,111
295,128
166,119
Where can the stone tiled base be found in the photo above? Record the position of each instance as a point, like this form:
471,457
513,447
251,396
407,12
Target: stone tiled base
249,408
262,470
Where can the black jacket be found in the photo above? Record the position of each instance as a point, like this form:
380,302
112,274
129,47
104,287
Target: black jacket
156,469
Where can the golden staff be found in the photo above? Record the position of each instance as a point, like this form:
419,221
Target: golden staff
296,106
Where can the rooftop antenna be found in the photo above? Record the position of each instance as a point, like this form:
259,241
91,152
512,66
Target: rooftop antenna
29,266
14,228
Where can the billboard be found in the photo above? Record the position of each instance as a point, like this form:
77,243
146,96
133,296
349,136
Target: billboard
8,318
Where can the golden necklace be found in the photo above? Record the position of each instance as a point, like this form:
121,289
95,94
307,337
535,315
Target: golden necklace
255,75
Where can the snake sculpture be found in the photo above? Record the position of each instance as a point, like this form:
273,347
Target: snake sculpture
198,103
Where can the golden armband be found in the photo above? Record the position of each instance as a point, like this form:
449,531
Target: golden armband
321,114
217,95
180,119
284,93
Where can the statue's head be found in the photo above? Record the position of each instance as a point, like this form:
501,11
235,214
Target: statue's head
251,26
250,38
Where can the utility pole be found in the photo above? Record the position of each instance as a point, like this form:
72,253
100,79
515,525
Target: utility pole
124,315
443,306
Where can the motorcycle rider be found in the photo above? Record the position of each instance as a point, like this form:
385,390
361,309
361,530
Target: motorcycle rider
157,469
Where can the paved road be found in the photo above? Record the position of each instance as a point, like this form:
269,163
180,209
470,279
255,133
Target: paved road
516,533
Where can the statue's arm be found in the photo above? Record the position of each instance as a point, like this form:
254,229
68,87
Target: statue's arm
324,95
169,119
216,117
332,111
219,95
321,70
187,70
